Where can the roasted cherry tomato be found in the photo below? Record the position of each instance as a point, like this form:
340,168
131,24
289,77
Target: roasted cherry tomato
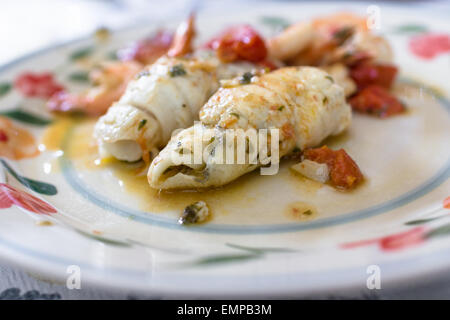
37,85
376,100
344,172
239,43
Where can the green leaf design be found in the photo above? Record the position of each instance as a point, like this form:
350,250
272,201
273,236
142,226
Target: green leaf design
5,87
104,240
410,28
79,76
81,53
259,250
24,116
421,221
38,186
275,22
225,258
439,232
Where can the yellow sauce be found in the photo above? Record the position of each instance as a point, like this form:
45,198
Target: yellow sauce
242,193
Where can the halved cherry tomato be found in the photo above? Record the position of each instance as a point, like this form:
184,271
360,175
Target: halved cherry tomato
37,85
344,172
376,100
366,73
239,43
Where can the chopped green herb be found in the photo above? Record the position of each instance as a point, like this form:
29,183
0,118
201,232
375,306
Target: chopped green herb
177,70
325,100
330,78
142,124
235,114
197,212
79,76
5,88
81,53
184,105
280,108
308,212
347,55
246,78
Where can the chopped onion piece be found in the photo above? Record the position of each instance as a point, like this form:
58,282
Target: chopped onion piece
313,170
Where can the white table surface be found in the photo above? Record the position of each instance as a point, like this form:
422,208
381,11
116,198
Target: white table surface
27,25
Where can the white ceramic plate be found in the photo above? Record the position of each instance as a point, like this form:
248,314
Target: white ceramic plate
123,235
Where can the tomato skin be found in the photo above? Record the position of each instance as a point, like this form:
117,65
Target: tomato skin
37,85
376,100
239,43
10,196
344,172
365,74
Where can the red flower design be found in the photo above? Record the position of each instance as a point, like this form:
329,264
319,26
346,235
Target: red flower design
427,45
447,203
393,242
11,196
37,85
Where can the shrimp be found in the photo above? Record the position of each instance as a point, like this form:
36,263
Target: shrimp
110,82
291,41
